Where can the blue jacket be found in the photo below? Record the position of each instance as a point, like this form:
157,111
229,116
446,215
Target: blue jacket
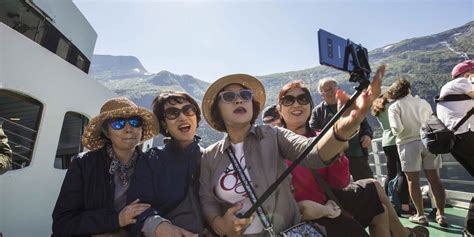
162,179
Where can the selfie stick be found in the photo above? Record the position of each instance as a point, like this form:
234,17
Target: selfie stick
359,75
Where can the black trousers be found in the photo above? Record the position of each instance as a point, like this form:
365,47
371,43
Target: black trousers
342,226
360,168
469,222
394,168
463,151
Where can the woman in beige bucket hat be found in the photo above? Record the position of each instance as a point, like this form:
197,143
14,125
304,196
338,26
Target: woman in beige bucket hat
92,200
231,104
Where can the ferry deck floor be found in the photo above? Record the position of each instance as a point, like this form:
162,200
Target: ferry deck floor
455,217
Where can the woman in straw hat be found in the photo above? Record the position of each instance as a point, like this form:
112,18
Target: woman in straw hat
92,200
231,104
169,180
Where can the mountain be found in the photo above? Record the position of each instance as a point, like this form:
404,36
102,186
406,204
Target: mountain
116,67
127,77
425,61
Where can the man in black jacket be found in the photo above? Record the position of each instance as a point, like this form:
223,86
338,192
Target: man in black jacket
357,152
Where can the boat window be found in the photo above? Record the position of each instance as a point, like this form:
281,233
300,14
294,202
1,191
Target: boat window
21,116
63,48
20,17
25,19
75,57
70,140
81,63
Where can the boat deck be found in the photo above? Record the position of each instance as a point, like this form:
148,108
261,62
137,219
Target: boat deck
455,218
457,182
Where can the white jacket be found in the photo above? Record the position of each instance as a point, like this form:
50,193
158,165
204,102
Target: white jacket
451,112
406,116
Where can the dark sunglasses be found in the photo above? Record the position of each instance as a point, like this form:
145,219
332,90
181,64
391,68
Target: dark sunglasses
173,112
119,123
289,100
230,97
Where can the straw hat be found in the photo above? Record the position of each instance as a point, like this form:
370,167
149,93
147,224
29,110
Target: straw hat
115,108
216,87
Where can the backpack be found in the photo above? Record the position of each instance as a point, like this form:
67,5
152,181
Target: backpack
393,190
435,136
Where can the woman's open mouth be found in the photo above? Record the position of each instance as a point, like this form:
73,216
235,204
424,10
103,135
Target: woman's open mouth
185,127
240,110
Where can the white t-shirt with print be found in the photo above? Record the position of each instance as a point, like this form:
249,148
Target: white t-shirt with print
231,189
451,112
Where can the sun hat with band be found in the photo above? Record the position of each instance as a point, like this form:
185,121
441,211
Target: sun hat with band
213,91
119,107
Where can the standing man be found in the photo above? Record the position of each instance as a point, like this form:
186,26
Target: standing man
5,152
357,152
451,112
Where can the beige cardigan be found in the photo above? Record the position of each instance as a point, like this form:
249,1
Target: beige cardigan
265,150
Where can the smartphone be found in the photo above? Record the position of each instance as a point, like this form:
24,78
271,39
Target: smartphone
334,51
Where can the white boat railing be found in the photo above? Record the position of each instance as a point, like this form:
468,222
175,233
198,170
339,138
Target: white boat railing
459,184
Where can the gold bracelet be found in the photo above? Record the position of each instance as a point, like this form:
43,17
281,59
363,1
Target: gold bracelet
341,139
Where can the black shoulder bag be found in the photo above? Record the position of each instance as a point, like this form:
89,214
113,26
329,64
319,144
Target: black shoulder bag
436,137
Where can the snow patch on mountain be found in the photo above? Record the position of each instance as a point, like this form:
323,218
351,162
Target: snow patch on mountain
387,48
447,45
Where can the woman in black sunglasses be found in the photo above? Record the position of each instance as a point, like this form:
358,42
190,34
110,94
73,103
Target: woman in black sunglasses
364,199
92,200
295,105
261,151
169,179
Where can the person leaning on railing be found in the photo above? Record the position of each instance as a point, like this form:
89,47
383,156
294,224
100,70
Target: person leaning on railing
5,152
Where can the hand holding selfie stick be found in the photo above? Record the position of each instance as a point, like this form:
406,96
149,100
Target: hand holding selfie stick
358,74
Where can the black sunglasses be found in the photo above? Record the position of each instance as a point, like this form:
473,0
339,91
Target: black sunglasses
230,96
172,113
119,123
289,100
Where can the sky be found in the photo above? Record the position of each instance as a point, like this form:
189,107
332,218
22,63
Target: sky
211,39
